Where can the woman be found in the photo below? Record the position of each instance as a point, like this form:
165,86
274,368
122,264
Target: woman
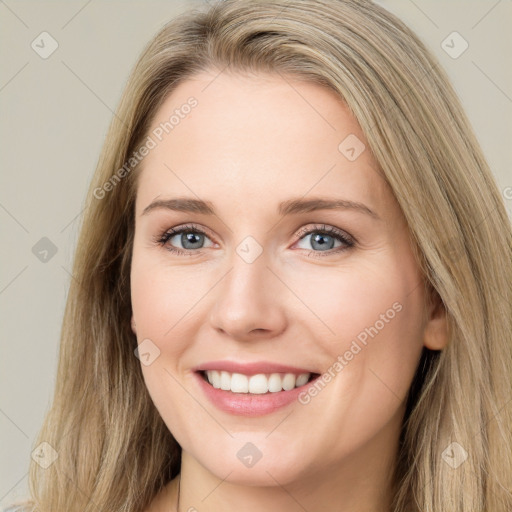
292,284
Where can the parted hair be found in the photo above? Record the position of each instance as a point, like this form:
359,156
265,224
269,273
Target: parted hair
115,453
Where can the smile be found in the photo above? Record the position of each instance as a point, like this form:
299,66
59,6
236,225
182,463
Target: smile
255,384
252,389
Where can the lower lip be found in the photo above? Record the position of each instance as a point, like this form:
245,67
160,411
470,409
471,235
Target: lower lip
248,404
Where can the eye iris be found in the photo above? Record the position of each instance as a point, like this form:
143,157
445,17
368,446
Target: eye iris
189,237
319,238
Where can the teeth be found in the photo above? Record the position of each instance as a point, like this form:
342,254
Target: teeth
256,384
275,383
289,381
225,381
239,383
302,379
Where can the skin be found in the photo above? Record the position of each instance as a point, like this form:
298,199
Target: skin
252,142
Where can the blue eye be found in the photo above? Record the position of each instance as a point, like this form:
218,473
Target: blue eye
191,237
324,238
192,240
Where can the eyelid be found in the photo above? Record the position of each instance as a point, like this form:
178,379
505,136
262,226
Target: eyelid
176,230
325,228
342,235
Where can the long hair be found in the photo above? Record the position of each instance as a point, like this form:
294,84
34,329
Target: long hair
114,451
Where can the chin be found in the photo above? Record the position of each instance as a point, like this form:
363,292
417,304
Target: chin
267,465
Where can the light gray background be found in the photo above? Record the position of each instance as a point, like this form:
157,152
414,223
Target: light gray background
54,115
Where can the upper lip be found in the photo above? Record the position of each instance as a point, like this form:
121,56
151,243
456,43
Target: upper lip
250,368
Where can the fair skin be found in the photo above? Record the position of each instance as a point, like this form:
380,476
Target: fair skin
250,144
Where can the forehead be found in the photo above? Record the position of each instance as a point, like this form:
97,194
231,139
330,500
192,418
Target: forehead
264,136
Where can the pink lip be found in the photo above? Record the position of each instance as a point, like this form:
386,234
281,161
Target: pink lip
247,404
250,368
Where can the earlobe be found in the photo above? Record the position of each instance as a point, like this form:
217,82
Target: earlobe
132,323
436,329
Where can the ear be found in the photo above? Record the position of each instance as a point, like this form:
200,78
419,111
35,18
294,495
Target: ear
132,323
435,336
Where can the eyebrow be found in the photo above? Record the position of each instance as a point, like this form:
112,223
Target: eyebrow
290,207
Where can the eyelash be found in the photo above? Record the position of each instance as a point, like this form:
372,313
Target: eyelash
349,242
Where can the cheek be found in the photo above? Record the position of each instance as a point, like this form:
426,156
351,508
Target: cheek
371,316
375,313
161,297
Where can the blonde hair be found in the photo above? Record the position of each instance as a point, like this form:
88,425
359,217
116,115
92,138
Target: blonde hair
114,450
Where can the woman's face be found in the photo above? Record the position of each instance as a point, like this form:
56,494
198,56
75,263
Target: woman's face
269,286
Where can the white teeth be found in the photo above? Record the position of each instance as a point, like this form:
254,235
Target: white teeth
275,383
302,379
239,383
215,379
225,381
289,381
257,384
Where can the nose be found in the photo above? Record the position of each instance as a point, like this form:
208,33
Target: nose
249,303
